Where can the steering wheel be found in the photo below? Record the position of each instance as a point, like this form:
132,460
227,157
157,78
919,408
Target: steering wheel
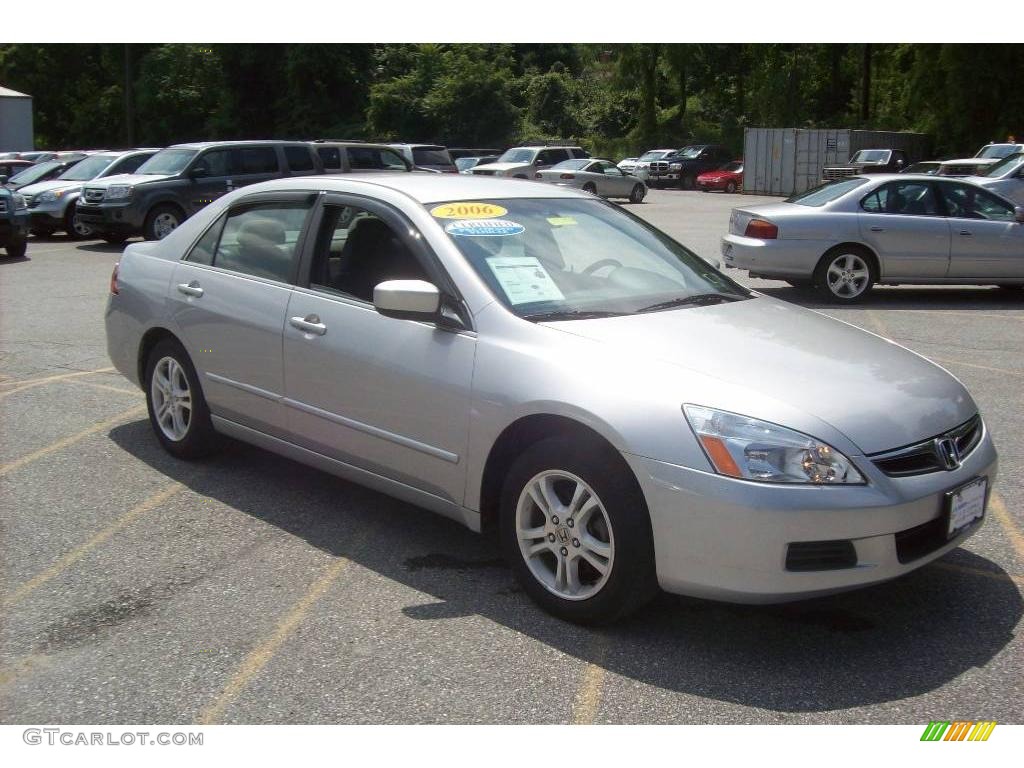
592,268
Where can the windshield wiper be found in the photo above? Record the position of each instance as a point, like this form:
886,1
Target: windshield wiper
570,314
699,298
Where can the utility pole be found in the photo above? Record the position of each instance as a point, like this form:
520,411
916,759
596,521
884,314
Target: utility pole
129,100
865,85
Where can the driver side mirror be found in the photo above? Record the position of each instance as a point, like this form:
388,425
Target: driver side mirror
3,180
1018,214
408,300
199,170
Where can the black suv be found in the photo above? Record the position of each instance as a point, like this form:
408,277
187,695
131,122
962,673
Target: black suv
682,168
179,181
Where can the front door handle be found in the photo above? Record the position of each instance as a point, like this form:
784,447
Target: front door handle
877,229
966,232
190,289
309,324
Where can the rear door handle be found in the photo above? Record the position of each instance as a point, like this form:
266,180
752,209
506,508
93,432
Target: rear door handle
190,289
877,229
309,324
966,232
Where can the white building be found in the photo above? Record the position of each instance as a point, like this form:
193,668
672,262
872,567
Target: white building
15,121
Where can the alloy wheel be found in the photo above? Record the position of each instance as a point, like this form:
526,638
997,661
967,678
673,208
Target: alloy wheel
164,224
172,398
848,276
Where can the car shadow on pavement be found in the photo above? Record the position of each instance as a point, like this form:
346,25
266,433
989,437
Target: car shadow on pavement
925,297
100,246
880,644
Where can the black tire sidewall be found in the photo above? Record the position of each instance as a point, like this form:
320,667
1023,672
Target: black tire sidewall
637,195
821,276
147,230
200,439
633,580
731,184
16,249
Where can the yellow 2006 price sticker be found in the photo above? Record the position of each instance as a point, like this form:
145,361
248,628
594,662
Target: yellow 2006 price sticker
468,211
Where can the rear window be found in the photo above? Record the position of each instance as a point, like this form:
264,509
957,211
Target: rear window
330,157
375,159
299,158
826,193
247,160
431,156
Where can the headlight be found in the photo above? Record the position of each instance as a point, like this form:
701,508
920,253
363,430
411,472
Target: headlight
19,201
50,196
674,166
118,192
751,449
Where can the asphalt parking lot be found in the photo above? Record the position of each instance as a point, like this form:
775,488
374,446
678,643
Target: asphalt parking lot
142,589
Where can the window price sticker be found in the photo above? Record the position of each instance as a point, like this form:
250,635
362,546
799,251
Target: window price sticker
524,279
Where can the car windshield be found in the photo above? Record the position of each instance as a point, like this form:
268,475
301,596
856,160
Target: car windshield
567,258
167,162
1004,166
518,155
826,193
572,165
430,156
465,163
871,156
34,173
88,169
927,168
689,153
656,154
733,167
998,151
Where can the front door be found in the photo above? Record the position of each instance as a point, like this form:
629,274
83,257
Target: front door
902,222
988,243
388,396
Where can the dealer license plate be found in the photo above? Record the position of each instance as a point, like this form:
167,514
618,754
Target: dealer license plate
966,504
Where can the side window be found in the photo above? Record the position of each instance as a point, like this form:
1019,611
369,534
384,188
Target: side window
966,202
261,240
298,157
252,160
128,164
356,250
610,170
374,159
202,252
330,157
904,198
216,162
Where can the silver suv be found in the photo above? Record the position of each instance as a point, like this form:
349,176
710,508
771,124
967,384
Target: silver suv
524,162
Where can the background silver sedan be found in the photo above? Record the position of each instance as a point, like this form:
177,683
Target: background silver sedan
846,236
596,176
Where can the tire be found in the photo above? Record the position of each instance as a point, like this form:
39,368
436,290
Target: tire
730,187
16,248
589,187
687,182
115,239
618,525
638,194
161,221
858,274
76,230
197,438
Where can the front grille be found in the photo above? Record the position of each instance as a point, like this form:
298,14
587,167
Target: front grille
483,173
928,456
820,555
3,205
914,543
838,173
659,166
93,195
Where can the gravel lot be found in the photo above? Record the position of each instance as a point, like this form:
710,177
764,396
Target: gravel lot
141,589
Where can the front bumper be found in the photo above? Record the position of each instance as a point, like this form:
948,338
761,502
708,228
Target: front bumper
727,539
111,217
773,258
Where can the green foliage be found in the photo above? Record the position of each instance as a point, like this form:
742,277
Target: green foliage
614,99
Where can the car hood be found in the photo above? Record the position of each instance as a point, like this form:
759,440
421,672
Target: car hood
128,178
878,394
501,166
45,186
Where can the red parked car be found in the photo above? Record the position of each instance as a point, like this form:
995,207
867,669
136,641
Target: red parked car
728,178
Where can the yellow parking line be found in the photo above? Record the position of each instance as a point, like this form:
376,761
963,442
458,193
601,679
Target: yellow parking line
18,386
107,387
259,656
588,697
65,442
23,665
1006,371
81,550
1013,531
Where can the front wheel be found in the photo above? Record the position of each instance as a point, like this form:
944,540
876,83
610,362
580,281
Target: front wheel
730,187
638,194
844,275
16,249
161,221
687,182
177,409
75,227
576,531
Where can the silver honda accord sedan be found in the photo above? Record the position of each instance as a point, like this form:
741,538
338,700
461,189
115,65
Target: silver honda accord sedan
848,235
541,365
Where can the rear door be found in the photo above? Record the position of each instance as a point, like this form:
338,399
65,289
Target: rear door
902,222
251,165
987,241
228,299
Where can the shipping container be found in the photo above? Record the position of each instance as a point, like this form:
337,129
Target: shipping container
15,121
785,161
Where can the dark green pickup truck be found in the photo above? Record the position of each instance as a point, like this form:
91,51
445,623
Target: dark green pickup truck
13,223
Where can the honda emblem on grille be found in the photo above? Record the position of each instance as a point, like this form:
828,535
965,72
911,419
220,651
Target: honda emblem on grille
946,450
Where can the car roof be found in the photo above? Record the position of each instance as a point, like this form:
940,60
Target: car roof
428,187
239,143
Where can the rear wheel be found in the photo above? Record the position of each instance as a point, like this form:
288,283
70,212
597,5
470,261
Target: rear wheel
576,531
177,409
687,182
75,227
16,248
161,221
730,187
638,194
589,187
845,274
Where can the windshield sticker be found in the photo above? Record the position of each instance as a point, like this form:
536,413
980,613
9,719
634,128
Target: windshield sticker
468,211
484,228
561,221
524,279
